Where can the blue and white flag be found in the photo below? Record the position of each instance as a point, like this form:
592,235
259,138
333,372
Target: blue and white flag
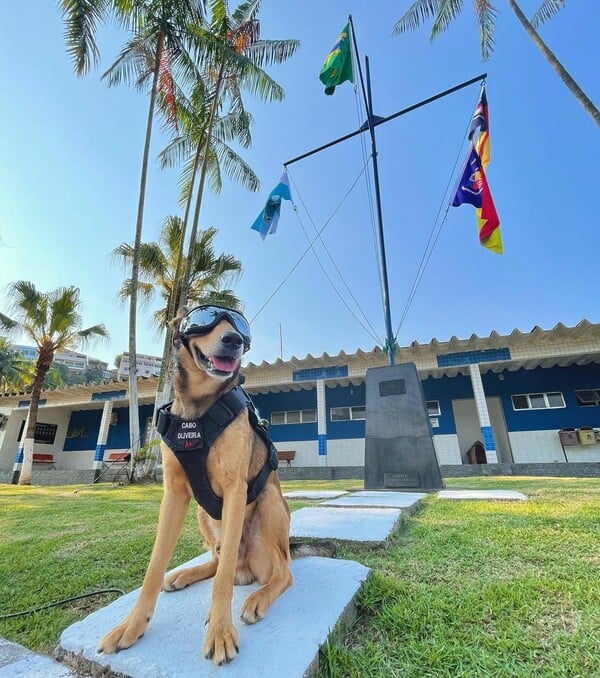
266,222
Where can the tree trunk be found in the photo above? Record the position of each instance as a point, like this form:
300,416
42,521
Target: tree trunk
180,300
577,92
134,422
213,112
44,361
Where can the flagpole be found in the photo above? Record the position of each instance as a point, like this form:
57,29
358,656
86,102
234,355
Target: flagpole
390,342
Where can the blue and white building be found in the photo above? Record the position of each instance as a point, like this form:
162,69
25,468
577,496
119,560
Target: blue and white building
527,398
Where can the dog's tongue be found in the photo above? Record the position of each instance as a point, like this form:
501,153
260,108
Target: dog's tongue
224,364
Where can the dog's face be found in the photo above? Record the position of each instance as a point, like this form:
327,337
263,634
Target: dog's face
218,352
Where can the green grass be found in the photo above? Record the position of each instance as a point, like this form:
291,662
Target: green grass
463,589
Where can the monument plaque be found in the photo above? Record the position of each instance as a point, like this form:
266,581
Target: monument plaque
399,451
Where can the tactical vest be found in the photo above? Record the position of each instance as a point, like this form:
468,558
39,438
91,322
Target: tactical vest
190,441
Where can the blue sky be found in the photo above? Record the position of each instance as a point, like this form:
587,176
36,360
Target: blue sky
70,154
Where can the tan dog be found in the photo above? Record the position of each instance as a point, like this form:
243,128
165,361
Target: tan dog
251,541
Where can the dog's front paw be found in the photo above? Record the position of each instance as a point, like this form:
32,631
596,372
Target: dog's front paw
221,643
255,607
125,634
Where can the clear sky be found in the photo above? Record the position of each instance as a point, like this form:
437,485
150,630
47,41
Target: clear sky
70,155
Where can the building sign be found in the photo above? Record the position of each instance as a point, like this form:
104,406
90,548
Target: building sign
321,373
44,433
109,395
25,403
489,355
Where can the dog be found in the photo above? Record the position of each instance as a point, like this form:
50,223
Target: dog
250,541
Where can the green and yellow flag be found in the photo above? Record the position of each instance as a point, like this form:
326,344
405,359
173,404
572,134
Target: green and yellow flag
338,63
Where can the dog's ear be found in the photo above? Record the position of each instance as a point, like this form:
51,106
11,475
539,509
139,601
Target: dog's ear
174,325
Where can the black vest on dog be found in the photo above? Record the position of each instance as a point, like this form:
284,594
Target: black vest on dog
190,441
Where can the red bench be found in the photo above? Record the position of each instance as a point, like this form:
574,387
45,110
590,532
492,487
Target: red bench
119,456
43,458
287,455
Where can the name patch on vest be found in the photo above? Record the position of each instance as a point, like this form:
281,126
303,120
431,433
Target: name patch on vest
188,435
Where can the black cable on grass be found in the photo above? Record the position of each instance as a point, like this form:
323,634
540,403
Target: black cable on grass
59,602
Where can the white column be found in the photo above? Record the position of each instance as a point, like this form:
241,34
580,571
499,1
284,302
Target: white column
18,465
483,414
321,422
103,435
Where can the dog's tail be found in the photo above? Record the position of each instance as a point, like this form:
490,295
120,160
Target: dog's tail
325,549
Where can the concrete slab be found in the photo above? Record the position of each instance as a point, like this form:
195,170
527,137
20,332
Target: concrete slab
405,500
16,660
501,495
285,643
363,525
314,494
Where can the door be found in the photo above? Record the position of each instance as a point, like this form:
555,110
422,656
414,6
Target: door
468,429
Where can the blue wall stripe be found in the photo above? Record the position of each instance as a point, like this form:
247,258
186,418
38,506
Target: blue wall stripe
99,456
488,438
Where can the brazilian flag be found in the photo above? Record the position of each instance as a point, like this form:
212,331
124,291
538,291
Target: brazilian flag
338,63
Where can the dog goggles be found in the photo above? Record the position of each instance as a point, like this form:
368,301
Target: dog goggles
202,319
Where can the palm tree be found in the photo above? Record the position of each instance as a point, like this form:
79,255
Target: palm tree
15,372
163,24
444,12
52,321
210,273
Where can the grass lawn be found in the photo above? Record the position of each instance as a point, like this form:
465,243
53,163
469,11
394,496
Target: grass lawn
463,589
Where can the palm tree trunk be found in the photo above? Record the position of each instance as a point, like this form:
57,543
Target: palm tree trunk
583,99
174,298
134,422
181,301
213,112
43,365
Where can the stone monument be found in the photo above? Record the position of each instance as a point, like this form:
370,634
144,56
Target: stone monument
399,451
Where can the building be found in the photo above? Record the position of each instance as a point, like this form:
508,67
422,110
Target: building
529,400
71,359
146,365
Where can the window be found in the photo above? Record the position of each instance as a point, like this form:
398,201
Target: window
589,397
293,417
538,401
433,408
347,413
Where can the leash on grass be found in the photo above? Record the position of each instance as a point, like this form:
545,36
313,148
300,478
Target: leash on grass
59,602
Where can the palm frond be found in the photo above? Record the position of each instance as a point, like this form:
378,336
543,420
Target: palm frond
81,19
236,168
8,324
64,316
90,334
134,65
486,20
28,303
417,13
268,52
547,10
447,12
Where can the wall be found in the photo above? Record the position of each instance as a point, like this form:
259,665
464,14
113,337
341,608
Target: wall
9,444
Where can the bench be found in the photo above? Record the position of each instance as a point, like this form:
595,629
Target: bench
119,461
119,456
43,458
287,455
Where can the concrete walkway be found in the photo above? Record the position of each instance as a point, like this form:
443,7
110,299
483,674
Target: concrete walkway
285,643
487,495
16,660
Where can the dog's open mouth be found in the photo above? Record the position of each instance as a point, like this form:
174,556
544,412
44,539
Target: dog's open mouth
217,364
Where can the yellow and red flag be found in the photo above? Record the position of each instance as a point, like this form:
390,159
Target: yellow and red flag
473,187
